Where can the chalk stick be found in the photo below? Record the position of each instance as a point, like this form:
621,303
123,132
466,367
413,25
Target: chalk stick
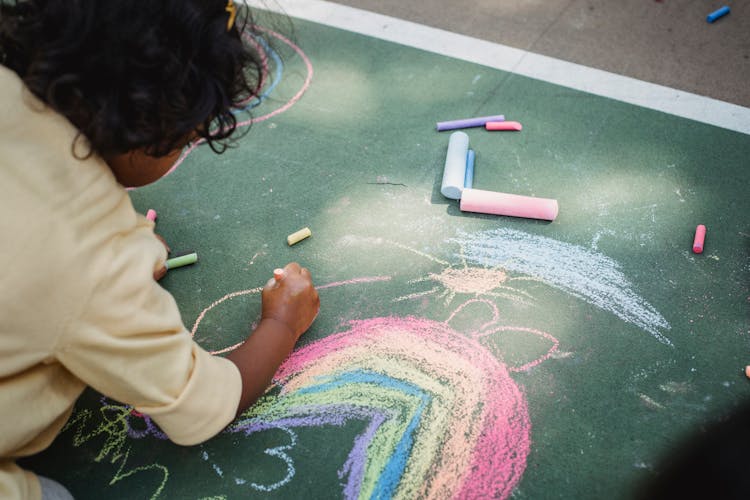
469,177
468,122
713,16
747,371
700,236
151,214
490,202
512,126
454,172
298,236
182,260
278,274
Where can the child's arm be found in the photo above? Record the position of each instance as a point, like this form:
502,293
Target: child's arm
289,308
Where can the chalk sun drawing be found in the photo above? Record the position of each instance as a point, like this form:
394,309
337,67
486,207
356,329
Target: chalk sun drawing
588,275
452,280
444,419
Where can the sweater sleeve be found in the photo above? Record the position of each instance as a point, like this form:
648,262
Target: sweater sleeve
131,345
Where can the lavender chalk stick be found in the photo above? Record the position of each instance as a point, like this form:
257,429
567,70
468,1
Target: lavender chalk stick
469,122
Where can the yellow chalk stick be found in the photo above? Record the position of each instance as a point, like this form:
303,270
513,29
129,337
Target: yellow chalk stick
298,236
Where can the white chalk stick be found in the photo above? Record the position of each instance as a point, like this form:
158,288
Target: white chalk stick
454,172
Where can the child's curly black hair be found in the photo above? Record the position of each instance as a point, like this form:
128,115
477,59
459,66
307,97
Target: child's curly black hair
133,74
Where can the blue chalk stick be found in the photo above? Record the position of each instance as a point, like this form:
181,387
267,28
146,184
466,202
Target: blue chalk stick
713,16
469,177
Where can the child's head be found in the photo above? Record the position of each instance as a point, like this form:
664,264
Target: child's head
133,74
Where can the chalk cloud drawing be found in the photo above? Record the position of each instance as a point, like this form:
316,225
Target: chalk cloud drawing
583,273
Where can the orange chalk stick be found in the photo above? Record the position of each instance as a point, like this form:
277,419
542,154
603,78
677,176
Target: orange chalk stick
512,126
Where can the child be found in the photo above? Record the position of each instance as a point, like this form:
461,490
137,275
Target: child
97,95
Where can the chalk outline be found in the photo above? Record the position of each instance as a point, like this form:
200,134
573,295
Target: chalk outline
295,98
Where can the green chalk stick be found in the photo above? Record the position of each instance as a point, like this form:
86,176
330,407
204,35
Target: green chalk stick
182,260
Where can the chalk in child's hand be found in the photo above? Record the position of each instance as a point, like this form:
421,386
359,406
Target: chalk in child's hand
151,215
182,260
700,235
514,126
298,236
278,274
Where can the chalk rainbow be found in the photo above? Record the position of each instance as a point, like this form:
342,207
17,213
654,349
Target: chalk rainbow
444,417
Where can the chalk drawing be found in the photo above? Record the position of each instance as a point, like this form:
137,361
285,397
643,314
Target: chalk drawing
583,273
452,280
255,291
443,417
261,47
113,424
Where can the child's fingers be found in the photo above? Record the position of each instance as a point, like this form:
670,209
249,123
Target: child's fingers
160,273
292,267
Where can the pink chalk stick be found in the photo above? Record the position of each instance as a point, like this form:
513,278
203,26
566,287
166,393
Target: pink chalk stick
490,202
515,126
151,214
700,236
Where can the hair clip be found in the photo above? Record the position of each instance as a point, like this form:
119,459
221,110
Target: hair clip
232,13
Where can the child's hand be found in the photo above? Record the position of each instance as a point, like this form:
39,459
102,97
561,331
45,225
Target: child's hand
290,304
291,300
160,273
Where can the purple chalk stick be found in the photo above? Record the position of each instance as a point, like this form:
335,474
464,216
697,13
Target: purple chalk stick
469,122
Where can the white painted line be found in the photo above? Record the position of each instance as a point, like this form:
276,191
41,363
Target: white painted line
602,83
